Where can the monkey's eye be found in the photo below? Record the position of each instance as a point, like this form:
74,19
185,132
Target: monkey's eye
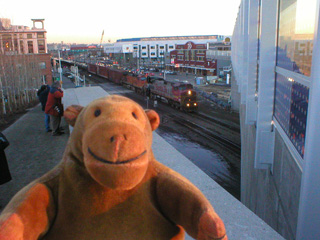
97,112
134,115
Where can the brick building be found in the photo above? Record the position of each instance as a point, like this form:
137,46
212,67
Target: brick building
192,58
16,40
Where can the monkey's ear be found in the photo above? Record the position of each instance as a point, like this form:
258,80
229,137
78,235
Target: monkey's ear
154,118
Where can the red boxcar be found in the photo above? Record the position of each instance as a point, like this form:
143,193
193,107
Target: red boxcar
92,68
136,82
116,75
102,71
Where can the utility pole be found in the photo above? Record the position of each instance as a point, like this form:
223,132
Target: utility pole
3,100
60,69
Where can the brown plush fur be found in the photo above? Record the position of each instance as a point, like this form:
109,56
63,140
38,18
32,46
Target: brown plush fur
109,185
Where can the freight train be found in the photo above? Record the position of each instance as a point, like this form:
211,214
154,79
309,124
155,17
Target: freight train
178,94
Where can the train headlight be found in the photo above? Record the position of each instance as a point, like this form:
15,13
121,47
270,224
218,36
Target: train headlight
188,104
189,92
195,104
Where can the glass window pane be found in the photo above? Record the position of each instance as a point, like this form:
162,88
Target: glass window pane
291,108
296,33
42,65
30,47
41,46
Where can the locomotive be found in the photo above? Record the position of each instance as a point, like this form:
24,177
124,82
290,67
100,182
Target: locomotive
178,94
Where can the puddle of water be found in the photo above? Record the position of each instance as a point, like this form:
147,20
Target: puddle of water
212,163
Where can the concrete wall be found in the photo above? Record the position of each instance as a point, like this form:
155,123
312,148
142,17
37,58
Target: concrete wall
274,197
235,95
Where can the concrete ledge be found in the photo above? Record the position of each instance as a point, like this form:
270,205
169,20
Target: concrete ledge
82,95
240,222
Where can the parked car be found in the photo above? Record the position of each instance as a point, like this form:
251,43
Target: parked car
170,72
149,74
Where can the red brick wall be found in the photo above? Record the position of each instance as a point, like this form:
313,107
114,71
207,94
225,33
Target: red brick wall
46,72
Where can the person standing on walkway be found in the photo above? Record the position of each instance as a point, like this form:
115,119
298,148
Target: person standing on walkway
5,175
43,96
54,107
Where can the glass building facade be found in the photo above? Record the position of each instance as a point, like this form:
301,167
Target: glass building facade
294,53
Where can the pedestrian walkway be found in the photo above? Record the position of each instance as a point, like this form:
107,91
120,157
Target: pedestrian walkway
33,152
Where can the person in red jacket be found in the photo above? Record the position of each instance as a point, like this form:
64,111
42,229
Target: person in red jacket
54,107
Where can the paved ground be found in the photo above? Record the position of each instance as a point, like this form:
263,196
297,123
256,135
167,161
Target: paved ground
32,151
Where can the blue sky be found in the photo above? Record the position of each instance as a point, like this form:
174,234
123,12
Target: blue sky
83,22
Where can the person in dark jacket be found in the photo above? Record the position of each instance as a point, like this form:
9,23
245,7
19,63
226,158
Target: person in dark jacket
43,96
54,107
5,175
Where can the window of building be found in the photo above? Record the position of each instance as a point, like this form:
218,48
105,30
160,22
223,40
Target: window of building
40,35
193,55
21,47
152,47
42,65
187,58
41,46
161,47
294,58
30,46
6,45
16,47
7,42
291,108
171,47
144,47
144,54
200,59
295,37
29,35
153,54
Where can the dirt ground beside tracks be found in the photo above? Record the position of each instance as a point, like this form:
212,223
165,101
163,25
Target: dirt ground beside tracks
211,108
223,91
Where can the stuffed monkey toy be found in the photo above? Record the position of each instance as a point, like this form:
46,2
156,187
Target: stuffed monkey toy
110,186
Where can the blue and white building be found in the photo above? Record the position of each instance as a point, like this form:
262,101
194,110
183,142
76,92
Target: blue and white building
154,50
276,88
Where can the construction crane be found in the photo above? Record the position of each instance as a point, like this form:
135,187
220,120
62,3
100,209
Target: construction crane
101,37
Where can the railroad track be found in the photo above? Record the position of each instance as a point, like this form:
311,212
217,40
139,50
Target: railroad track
221,141
230,125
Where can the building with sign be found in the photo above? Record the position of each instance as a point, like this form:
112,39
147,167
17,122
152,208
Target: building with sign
276,65
153,51
192,58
